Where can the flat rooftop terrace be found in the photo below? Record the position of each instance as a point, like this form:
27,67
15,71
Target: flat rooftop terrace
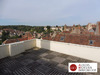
40,62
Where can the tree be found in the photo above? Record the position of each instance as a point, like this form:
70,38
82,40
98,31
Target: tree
5,35
17,27
32,30
59,30
56,25
63,27
0,42
48,29
84,26
15,37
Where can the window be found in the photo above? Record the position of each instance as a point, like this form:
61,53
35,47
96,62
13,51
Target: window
91,42
62,38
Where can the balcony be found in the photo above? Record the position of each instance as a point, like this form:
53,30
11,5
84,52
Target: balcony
50,58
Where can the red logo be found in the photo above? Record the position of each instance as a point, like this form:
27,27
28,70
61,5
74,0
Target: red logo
73,67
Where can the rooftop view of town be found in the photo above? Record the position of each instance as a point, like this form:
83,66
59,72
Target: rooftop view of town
48,50
49,37
85,35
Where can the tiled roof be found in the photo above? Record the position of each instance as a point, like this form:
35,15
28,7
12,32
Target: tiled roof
82,39
10,41
14,40
27,36
22,39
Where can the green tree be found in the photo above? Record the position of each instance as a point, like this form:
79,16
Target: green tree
5,35
84,26
59,30
56,25
15,37
0,42
48,29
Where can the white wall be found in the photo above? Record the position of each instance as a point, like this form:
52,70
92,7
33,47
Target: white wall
19,47
28,44
38,43
4,51
82,51
16,48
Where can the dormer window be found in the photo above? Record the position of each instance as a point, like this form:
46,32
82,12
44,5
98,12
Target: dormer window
62,38
91,42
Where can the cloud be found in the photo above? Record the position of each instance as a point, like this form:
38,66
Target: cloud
39,12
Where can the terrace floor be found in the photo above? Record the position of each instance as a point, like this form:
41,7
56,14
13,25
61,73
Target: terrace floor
39,62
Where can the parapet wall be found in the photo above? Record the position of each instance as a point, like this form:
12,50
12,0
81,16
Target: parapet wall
16,48
82,51
4,51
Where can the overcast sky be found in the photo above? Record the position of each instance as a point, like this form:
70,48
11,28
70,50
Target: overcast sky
49,12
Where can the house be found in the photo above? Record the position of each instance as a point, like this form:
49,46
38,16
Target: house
97,32
45,28
90,26
13,32
83,39
60,28
92,31
0,33
76,30
67,28
53,28
28,35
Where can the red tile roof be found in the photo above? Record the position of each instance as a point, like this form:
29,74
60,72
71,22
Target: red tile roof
82,39
27,36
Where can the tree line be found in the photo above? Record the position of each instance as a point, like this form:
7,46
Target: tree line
25,28
17,27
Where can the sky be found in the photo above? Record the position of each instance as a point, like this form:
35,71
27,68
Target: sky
49,12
